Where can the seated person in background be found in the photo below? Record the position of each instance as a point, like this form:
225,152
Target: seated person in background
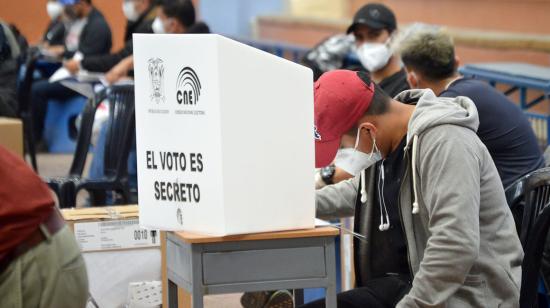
431,63
173,16
88,35
9,53
140,15
374,28
426,196
55,33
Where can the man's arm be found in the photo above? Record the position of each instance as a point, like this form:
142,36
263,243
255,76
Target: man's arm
103,63
337,200
449,170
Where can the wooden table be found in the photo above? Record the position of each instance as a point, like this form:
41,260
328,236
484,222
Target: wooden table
203,264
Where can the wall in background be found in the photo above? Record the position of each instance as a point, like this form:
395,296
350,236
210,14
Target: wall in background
235,17
31,18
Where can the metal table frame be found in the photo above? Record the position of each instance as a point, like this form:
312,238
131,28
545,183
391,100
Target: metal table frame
254,265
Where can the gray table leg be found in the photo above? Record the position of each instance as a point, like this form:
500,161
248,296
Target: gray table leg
172,294
330,300
196,264
298,297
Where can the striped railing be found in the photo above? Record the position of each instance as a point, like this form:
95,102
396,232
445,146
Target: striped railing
539,122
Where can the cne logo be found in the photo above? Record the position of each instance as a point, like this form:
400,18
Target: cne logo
188,87
156,77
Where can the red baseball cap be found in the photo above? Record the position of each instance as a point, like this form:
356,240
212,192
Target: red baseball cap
341,98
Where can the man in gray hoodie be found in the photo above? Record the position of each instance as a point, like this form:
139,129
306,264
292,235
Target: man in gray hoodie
436,226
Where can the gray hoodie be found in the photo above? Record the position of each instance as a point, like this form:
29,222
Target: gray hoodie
463,248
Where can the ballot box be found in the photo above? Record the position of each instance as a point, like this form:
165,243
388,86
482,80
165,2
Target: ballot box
225,136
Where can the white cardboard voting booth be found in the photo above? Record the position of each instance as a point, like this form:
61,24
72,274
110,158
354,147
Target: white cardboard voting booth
224,136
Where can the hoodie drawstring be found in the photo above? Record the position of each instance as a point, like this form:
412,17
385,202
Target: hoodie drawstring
415,208
363,187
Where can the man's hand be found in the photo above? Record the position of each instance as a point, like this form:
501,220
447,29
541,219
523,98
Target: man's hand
120,70
73,66
115,74
340,175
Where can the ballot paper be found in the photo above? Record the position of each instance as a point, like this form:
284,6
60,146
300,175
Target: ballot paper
324,223
145,294
321,223
61,74
91,77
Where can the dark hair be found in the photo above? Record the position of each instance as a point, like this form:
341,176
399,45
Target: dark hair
431,53
380,101
182,10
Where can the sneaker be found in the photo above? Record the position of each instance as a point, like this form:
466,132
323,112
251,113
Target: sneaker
255,299
280,299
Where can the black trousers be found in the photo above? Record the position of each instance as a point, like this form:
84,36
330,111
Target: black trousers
41,92
376,293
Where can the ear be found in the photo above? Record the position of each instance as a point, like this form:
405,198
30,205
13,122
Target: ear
368,128
457,62
412,79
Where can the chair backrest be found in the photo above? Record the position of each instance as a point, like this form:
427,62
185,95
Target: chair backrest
532,260
528,199
536,196
526,196
84,137
121,133
25,84
515,197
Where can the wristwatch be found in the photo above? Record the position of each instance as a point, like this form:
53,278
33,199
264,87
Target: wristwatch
327,173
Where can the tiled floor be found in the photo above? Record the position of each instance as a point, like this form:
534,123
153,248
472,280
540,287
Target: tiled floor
50,165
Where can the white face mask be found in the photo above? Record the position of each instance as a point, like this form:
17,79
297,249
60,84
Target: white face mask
54,9
129,10
373,56
158,26
354,161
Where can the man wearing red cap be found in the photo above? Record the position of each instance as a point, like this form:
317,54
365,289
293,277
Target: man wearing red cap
426,195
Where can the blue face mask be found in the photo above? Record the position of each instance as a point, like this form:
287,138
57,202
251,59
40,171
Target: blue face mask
354,161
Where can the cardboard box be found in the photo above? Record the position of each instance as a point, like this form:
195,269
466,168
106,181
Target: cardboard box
11,135
116,250
108,228
224,136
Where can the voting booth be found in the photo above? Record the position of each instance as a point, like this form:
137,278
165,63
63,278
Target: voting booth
224,136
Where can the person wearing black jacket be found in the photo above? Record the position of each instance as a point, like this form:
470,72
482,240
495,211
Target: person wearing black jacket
55,33
140,15
93,39
173,16
9,51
